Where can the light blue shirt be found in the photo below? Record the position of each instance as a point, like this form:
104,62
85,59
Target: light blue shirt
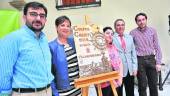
128,56
25,60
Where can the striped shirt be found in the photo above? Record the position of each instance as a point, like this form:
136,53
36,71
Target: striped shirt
25,61
146,43
73,73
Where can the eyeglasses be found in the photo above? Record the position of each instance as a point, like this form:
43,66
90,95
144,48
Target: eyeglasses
109,33
34,14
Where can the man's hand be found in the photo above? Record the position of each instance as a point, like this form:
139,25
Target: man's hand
158,67
134,73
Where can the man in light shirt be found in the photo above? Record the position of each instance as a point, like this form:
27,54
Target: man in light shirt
25,59
126,48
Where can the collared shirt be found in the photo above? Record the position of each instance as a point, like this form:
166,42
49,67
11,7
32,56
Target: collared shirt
146,42
116,63
25,60
128,55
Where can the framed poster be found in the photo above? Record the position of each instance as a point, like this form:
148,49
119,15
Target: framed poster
91,50
74,4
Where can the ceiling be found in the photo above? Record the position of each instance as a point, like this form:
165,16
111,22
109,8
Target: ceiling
4,4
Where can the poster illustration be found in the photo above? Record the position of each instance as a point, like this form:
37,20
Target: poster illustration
91,50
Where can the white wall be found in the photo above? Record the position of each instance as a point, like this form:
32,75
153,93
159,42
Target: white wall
157,11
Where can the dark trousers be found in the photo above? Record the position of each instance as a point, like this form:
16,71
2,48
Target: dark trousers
147,75
128,82
107,91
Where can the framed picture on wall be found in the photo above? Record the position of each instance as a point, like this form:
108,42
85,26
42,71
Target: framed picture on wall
74,4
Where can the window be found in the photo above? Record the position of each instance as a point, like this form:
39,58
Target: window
73,4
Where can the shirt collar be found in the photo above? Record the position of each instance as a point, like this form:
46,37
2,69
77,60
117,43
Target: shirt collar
32,33
144,30
116,34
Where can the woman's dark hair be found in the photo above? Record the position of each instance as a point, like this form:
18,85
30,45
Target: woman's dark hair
106,28
34,5
61,19
143,14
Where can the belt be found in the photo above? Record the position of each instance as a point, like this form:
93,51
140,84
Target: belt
27,90
146,56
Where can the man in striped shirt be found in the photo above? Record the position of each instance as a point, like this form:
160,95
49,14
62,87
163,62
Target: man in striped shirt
149,55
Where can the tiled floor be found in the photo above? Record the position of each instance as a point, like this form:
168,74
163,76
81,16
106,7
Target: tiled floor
166,87
165,92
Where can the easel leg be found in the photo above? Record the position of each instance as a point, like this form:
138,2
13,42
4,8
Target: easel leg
113,88
99,90
85,91
166,78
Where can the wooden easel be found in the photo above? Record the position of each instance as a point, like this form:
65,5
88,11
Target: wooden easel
85,82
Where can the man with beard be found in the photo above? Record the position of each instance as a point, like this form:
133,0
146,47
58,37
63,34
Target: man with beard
25,59
149,55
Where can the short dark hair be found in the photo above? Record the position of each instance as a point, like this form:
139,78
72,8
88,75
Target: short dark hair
35,5
106,28
61,19
143,14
